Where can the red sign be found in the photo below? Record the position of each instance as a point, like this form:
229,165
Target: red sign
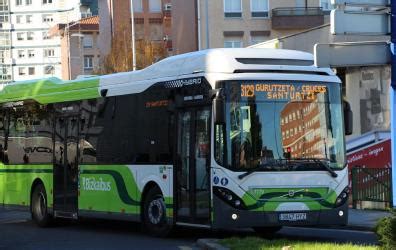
375,156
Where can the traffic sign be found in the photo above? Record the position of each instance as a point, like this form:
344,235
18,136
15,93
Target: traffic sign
360,23
360,2
350,54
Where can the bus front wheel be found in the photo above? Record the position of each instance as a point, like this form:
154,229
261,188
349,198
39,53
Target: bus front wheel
154,214
39,207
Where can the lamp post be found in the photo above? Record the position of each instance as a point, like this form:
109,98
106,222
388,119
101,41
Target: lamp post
133,37
393,100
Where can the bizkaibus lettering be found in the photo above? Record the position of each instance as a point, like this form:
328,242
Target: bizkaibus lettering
91,184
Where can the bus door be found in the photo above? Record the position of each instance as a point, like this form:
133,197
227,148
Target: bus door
192,166
66,166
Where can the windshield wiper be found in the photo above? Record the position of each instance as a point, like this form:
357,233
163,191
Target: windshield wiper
320,162
279,162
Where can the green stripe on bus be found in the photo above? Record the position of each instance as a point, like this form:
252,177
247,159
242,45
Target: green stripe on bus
40,171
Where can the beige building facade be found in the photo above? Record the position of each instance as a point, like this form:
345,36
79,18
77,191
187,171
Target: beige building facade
241,23
79,50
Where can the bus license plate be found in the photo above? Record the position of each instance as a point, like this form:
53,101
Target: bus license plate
293,217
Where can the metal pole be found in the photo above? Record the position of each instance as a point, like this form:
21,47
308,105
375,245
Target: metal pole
68,47
199,24
393,100
81,37
207,24
133,37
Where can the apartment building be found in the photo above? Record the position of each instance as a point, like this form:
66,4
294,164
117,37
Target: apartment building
79,50
151,18
26,49
241,23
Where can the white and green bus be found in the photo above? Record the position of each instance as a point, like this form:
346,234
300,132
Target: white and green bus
222,138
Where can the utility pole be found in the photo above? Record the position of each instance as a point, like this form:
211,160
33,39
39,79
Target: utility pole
207,24
393,100
133,37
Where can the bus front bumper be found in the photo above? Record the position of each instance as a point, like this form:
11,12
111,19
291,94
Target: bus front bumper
226,216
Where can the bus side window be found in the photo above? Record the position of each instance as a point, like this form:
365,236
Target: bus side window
3,137
219,144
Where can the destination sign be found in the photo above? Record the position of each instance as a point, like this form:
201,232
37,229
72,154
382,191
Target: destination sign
283,91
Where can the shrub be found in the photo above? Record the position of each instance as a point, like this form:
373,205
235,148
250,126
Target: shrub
386,231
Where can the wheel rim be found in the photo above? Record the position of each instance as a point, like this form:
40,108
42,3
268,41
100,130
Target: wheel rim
40,206
155,211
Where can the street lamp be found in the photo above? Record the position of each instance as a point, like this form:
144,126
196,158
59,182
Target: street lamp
133,37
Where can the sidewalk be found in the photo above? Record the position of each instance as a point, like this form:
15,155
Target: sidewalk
364,219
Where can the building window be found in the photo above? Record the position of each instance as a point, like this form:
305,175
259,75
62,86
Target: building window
233,43
32,71
137,6
31,53
88,62
20,36
88,41
21,53
21,71
232,8
47,1
49,70
259,8
30,36
85,14
19,19
258,39
28,2
46,36
18,2
3,19
326,5
155,5
29,18
48,18
49,53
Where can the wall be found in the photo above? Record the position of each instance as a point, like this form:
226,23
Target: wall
184,26
218,23
367,90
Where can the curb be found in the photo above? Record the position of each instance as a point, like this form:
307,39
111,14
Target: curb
349,227
210,244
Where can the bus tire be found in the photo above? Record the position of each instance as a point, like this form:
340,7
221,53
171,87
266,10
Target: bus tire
267,231
155,221
39,207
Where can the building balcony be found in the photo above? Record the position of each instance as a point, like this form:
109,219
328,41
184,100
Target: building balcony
297,18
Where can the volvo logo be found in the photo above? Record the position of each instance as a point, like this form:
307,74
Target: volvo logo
291,193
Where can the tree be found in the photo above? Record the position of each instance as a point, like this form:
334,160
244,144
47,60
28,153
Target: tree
120,57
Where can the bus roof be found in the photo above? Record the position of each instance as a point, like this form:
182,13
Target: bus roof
226,61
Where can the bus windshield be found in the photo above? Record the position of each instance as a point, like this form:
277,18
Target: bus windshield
274,125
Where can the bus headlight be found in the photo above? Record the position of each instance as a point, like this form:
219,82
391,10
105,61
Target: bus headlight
229,197
342,198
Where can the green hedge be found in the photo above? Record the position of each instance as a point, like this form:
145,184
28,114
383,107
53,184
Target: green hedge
386,231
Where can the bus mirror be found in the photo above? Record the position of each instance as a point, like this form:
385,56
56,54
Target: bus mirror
348,118
218,114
